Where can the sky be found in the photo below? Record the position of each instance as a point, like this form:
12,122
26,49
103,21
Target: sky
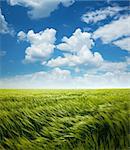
64,44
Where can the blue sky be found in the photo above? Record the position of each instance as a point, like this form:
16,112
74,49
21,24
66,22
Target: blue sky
64,44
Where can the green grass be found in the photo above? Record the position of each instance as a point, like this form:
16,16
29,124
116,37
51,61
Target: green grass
64,119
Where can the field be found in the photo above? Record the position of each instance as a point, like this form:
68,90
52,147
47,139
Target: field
64,119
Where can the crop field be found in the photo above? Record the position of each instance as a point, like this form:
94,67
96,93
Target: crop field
64,119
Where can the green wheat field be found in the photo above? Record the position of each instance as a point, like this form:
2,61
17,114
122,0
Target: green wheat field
64,119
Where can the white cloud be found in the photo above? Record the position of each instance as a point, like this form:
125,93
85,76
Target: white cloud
2,53
101,14
57,73
77,70
128,60
58,78
83,57
21,36
114,30
123,43
41,8
52,79
107,67
76,51
4,26
41,44
76,41
106,80
112,67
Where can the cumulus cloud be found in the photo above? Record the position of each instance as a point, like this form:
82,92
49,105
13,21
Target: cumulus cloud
58,78
114,30
41,44
40,8
76,41
21,36
76,51
124,43
101,14
4,26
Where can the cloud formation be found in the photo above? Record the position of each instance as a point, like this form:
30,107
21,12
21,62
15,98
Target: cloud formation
58,78
76,50
2,53
21,36
101,14
77,65
114,30
51,79
4,26
41,44
40,8
123,43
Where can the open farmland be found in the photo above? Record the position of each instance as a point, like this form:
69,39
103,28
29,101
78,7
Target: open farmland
64,119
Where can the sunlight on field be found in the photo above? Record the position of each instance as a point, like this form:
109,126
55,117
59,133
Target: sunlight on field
64,119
